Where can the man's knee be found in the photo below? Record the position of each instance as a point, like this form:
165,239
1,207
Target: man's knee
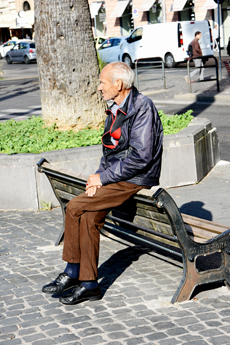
73,206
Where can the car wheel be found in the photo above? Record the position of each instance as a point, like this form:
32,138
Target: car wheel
127,60
8,60
169,61
26,60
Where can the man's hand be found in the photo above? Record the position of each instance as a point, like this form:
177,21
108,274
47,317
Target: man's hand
92,184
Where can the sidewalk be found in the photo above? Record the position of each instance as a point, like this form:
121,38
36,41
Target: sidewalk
177,88
137,288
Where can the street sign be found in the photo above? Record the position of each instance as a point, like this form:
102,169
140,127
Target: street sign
135,13
20,22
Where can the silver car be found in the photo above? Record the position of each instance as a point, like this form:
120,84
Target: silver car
109,51
23,51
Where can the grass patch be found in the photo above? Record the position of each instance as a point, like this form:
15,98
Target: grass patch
31,136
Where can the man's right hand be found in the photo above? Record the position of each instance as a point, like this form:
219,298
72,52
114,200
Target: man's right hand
91,191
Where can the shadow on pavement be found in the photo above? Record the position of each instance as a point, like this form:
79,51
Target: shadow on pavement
224,84
195,209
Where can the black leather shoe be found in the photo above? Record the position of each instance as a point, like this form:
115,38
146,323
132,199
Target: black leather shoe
81,294
62,283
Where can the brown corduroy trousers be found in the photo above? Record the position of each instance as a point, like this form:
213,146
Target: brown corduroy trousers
85,216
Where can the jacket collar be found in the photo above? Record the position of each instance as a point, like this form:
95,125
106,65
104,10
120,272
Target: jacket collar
128,107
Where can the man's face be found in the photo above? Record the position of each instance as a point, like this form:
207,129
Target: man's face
198,36
109,90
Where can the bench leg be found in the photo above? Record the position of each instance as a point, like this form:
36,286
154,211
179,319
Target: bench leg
192,278
61,234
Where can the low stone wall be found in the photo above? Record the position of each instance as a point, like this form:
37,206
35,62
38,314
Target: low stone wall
188,156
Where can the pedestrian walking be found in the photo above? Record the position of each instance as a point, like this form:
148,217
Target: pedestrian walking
131,161
196,52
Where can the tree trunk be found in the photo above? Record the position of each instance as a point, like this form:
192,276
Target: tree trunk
67,64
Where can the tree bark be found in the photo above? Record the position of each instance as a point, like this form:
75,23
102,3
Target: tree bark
67,64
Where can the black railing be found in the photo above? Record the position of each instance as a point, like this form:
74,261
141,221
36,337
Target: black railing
158,61
206,57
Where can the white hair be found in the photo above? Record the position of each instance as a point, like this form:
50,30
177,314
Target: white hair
122,71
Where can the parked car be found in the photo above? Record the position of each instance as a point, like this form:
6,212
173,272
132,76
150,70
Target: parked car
23,51
99,40
168,41
109,51
4,48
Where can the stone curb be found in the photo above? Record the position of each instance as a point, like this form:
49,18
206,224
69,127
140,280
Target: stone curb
203,98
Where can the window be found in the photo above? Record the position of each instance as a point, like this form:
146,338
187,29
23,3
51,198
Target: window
23,46
7,44
101,40
106,44
116,42
32,45
136,36
26,6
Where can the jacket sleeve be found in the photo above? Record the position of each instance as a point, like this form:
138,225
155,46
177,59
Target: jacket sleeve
141,149
101,166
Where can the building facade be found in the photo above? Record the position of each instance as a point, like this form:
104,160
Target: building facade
11,24
120,17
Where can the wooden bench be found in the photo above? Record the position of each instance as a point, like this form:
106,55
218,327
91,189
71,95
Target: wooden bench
155,222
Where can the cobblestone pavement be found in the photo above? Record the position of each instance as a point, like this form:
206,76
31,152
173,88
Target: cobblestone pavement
137,287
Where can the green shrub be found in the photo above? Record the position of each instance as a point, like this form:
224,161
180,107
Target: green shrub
30,136
175,123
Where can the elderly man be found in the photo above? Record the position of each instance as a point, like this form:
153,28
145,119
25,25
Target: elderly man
131,161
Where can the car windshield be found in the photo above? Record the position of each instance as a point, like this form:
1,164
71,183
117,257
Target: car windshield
106,44
10,43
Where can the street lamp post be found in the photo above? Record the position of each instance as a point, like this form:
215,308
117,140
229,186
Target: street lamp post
218,4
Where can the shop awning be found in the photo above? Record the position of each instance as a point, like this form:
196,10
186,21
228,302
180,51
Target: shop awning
146,5
209,5
178,5
94,8
4,4
120,8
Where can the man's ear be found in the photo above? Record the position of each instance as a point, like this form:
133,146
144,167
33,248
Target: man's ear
119,84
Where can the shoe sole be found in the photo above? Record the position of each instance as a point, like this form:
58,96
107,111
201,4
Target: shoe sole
92,298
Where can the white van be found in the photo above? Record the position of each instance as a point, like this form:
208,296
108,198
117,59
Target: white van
166,40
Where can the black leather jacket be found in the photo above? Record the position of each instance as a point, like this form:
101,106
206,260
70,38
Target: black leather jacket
135,153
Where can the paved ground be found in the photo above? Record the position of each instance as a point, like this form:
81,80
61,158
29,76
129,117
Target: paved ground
137,287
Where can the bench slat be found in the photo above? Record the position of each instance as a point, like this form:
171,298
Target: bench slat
204,224
68,188
154,222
